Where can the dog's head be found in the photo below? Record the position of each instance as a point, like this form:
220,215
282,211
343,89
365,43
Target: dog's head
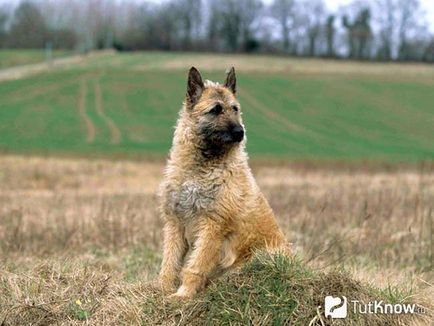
214,112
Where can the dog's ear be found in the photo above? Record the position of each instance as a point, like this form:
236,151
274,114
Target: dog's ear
194,86
231,81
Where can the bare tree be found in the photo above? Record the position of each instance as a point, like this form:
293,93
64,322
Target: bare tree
330,35
214,25
4,18
190,14
385,12
313,21
429,51
28,29
167,26
249,11
230,30
359,33
409,16
282,11
225,24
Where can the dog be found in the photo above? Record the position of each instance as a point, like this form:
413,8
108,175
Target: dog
215,216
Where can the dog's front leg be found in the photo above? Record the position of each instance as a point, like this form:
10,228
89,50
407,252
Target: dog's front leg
203,260
174,249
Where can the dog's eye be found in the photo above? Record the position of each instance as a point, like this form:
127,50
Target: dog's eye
235,108
216,110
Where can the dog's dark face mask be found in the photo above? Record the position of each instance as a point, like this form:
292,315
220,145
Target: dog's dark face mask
219,136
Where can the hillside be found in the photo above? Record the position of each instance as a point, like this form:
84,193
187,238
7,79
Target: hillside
11,58
302,109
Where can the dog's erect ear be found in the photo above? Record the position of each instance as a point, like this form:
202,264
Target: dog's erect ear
231,81
194,86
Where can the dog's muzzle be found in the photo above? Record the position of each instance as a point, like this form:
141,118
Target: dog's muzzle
237,134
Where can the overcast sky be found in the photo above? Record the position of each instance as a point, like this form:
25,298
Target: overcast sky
427,5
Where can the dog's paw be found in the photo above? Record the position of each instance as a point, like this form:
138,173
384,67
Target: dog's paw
167,289
178,297
166,284
181,295
164,288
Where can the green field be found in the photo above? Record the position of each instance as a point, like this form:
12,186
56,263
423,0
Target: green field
299,109
11,58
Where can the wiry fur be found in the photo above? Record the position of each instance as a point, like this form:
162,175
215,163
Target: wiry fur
214,213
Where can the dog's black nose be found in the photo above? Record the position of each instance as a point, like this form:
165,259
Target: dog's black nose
238,133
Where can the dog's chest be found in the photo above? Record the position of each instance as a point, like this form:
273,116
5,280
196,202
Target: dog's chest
195,196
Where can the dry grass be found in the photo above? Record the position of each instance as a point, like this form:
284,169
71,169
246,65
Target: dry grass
22,71
78,229
290,65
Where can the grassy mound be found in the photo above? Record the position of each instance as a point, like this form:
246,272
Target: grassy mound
277,290
270,290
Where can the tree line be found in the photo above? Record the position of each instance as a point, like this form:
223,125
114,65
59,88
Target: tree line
363,30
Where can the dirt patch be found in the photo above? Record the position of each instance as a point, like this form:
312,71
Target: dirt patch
90,127
115,133
60,63
27,70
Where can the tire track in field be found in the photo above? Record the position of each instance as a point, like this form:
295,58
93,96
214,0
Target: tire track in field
29,93
115,133
90,127
273,115
279,118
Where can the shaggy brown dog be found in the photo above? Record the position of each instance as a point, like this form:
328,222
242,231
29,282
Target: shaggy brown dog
214,213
